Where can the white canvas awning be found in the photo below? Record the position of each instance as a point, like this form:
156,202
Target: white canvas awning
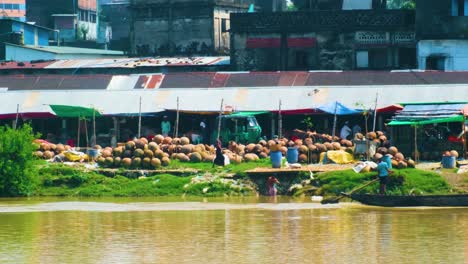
111,102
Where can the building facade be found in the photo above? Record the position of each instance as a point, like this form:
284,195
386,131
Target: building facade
21,33
13,9
441,28
357,34
117,14
75,20
174,27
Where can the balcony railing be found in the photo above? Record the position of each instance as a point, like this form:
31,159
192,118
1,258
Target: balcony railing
323,20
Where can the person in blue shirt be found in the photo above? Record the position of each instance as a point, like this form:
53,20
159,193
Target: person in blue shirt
384,171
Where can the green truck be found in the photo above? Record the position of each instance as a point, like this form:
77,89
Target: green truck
238,127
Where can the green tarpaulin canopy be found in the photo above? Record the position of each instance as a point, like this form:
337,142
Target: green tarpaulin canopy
74,111
458,118
239,114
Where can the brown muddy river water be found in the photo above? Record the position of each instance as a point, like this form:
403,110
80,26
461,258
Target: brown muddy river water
250,230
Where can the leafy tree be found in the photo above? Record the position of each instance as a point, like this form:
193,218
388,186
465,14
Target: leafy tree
401,4
17,170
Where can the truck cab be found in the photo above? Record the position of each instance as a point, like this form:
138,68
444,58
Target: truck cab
242,128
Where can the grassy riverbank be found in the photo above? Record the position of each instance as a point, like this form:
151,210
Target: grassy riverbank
402,182
63,180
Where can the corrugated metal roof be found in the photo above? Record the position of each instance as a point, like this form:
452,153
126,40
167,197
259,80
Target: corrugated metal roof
225,79
138,62
69,50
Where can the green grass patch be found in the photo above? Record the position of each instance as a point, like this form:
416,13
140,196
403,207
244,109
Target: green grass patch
402,182
62,180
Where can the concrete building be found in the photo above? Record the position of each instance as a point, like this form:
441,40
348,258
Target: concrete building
14,9
333,35
21,33
173,27
441,28
75,19
117,14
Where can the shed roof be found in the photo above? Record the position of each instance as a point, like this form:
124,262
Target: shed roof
69,50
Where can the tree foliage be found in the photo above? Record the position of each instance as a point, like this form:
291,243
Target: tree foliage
401,4
16,161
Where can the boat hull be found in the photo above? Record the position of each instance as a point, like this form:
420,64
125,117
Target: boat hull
404,201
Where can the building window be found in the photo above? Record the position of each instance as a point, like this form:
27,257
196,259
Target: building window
362,59
459,7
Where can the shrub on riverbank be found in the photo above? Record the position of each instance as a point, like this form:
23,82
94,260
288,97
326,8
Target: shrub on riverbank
402,182
17,168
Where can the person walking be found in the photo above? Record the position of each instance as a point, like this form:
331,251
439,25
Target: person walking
165,126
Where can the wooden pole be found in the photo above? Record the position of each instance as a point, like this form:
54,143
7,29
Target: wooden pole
94,129
375,111
464,136
176,132
280,121
219,118
78,134
334,122
416,156
17,116
86,133
139,119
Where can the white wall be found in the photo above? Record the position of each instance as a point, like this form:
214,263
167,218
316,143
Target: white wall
455,51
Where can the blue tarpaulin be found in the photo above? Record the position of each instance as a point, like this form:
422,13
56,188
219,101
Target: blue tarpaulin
338,109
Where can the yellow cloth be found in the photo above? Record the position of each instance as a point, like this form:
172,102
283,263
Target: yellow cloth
75,157
337,156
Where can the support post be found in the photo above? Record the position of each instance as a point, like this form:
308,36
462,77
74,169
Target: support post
375,111
78,133
176,130
464,136
17,116
334,122
416,156
94,129
139,119
219,119
280,121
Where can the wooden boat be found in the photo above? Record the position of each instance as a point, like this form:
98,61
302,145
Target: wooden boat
411,200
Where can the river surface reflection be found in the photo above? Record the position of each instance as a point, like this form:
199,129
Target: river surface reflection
244,230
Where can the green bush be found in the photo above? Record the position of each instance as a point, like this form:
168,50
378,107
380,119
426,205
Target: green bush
17,170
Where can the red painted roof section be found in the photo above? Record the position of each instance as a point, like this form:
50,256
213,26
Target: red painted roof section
228,79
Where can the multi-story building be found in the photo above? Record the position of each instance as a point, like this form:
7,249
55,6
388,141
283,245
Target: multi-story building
74,19
117,14
170,27
13,9
326,35
442,31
